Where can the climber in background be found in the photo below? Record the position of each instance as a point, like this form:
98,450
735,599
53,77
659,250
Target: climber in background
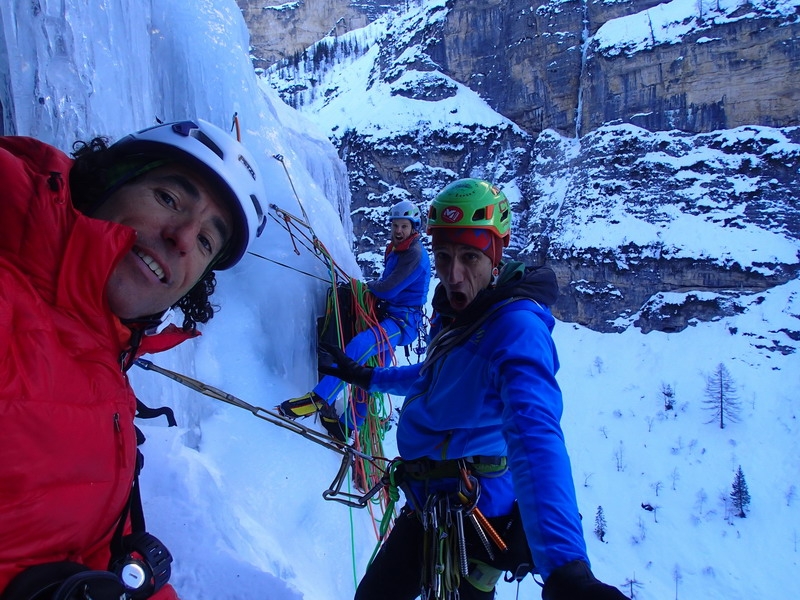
403,290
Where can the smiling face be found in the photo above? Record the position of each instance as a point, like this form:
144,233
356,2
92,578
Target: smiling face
463,270
180,227
401,230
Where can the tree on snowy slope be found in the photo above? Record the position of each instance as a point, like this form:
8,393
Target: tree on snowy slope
721,398
600,524
668,394
739,494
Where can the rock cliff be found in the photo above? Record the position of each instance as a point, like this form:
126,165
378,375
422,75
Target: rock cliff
615,128
714,70
625,216
279,30
550,65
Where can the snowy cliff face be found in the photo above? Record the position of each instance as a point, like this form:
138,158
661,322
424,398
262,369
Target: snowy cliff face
574,65
624,214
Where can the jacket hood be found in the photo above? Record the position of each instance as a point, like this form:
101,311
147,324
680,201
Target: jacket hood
515,281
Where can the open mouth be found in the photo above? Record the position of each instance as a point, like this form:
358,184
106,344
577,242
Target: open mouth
458,298
152,265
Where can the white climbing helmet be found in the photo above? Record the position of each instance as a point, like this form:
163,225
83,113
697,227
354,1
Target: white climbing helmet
221,158
405,210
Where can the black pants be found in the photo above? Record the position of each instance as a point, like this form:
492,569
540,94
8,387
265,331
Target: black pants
396,572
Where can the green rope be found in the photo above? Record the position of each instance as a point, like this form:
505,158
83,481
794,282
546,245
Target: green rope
388,515
352,541
372,431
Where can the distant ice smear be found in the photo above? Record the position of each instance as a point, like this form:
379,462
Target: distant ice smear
283,7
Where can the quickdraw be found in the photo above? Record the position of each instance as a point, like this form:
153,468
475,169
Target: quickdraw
291,224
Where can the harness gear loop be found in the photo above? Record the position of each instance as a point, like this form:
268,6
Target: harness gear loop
442,558
471,483
445,560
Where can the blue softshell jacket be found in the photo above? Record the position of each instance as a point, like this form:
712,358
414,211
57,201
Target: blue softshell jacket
404,285
488,387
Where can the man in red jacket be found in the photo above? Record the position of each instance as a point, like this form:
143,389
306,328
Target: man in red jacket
93,252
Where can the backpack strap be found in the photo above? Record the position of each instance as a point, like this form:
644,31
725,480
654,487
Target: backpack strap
146,412
139,559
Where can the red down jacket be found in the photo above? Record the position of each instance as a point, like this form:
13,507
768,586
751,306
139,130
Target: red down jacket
67,440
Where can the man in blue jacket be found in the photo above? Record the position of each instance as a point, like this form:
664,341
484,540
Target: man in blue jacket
483,465
403,286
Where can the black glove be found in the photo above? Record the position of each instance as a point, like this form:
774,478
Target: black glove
332,361
575,581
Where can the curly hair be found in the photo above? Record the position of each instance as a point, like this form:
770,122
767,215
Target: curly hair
195,305
99,169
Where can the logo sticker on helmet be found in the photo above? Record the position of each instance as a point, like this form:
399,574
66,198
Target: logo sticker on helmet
247,166
452,214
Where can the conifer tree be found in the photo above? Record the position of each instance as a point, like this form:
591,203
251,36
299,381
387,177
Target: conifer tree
668,394
600,524
739,494
722,400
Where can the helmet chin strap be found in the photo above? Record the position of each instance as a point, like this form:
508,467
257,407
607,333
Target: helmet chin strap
147,322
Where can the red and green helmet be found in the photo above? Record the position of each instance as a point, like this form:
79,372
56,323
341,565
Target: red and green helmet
471,203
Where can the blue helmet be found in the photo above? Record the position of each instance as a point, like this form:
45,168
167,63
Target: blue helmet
405,210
